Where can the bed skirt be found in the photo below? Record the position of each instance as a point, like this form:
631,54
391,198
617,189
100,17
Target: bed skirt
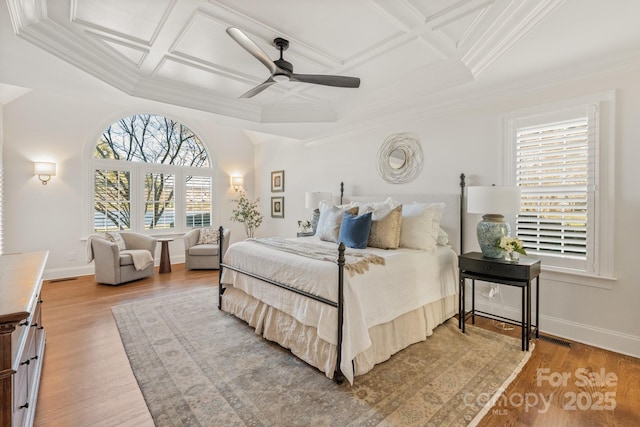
303,341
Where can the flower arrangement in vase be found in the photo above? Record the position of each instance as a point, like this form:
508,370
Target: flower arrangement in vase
512,246
304,226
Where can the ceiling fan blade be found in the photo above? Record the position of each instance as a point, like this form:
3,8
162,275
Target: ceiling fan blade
243,40
256,90
338,81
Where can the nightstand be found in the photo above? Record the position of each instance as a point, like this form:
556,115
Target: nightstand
521,274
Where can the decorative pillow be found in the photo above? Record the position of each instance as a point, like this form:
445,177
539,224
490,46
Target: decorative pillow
117,239
420,223
330,220
379,209
354,230
208,236
385,230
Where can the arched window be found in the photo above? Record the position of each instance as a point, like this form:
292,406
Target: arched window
150,173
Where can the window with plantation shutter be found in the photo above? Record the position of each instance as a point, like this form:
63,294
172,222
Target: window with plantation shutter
198,201
561,157
151,174
554,170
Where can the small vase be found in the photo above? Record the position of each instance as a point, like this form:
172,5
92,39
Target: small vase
512,256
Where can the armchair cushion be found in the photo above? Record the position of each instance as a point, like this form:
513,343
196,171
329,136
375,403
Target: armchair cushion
203,250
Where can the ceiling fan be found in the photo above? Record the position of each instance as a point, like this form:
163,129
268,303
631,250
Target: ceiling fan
281,70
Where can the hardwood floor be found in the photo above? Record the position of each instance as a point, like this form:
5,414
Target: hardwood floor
86,377
87,380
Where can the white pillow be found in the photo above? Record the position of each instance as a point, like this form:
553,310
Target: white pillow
330,219
379,209
420,224
208,236
117,239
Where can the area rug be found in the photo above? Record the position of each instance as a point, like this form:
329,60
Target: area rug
198,366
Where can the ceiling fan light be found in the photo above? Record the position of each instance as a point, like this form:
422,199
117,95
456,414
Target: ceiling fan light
280,78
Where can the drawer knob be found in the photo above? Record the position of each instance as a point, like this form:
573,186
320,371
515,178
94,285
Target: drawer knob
26,405
25,323
26,362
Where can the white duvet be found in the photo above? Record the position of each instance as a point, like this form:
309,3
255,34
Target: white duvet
409,279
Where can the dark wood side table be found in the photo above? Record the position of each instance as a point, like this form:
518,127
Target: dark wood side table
475,266
165,259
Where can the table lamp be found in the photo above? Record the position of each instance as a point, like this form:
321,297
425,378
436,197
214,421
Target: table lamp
499,201
312,201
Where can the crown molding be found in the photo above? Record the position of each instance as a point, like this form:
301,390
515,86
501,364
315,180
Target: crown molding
31,23
415,109
515,21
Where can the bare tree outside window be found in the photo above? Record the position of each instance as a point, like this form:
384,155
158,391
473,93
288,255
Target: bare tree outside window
143,138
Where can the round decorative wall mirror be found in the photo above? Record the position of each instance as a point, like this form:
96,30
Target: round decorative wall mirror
397,158
400,158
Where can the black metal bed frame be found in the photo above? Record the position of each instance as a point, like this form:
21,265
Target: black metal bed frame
339,305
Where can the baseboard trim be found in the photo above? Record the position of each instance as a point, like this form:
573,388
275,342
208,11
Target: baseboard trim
607,339
88,270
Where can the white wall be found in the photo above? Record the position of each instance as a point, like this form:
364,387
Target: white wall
469,141
43,126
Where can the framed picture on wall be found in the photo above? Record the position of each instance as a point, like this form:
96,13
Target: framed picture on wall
277,181
277,207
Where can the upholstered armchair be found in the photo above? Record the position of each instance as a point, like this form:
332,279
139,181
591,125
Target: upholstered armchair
202,250
122,257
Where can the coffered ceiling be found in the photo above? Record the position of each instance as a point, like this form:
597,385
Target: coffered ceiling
178,52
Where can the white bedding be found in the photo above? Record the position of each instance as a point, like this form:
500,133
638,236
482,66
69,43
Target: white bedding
409,279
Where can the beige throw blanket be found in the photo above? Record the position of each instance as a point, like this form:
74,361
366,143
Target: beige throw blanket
141,257
356,262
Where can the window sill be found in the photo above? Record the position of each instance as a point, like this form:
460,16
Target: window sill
575,277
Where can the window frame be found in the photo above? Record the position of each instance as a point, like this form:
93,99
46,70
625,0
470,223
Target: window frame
600,272
138,171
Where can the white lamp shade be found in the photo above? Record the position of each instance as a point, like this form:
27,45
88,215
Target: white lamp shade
493,200
44,168
237,181
312,199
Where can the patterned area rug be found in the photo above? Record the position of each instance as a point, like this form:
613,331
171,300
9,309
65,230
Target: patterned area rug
197,366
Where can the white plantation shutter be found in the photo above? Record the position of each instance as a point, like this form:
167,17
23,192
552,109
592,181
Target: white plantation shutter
161,183
555,170
198,201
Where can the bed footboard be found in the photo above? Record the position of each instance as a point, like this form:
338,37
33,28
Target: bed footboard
339,305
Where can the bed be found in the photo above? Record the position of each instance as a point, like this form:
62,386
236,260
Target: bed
344,310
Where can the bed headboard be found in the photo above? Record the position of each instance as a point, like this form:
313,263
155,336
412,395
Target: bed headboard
451,220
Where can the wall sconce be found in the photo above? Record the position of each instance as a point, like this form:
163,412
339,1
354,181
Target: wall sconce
44,171
237,182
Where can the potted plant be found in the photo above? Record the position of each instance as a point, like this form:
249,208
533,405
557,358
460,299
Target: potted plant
248,213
